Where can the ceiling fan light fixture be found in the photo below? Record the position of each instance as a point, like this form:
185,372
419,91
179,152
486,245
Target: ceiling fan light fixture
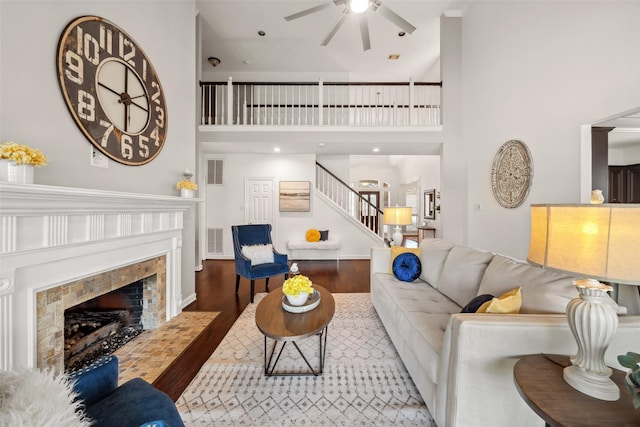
394,56
359,6
214,61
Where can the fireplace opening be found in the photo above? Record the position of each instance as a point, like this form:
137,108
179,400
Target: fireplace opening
102,325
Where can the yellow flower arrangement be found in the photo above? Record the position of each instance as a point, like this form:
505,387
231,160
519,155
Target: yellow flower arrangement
22,154
313,235
186,184
297,284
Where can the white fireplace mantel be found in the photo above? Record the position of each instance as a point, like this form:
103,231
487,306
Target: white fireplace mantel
54,235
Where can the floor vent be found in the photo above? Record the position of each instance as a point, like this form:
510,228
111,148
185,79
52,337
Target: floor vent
214,241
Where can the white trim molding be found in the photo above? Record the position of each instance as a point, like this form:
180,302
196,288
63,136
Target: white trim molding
50,236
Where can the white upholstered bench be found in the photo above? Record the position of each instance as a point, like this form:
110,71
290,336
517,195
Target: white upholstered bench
322,245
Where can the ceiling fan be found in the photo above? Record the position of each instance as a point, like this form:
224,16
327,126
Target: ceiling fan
358,7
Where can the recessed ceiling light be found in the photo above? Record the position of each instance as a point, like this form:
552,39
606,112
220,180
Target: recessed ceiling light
394,56
375,150
246,62
276,149
320,144
262,33
402,34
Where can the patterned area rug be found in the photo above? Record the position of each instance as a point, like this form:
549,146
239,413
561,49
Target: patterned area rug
364,382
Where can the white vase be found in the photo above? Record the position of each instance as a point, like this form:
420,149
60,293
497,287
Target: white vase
10,172
186,193
298,300
597,197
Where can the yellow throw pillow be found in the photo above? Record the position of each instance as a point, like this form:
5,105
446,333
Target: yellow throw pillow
313,235
397,250
508,303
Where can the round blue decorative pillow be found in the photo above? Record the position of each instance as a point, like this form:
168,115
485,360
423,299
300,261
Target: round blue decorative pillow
407,267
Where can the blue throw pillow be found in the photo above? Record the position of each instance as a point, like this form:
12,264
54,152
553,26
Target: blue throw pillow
407,267
476,302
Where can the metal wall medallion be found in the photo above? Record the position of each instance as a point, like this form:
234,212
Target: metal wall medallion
512,174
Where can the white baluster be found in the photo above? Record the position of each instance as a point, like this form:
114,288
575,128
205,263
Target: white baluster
229,102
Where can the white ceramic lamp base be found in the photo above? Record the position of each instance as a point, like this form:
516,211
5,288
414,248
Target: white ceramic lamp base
593,322
397,236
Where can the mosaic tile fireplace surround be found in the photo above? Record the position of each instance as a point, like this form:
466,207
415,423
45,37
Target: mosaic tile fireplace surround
61,246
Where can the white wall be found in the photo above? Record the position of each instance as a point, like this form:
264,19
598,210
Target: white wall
537,71
623,156
226,203
33,111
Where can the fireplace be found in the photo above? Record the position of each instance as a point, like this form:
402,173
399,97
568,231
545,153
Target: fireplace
50,333
102,325
61,246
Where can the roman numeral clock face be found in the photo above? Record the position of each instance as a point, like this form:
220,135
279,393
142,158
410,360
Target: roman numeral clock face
112,90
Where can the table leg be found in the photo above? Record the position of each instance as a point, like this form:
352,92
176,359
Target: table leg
270,368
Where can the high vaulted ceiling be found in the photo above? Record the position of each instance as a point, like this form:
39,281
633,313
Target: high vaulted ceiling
291,51
230,32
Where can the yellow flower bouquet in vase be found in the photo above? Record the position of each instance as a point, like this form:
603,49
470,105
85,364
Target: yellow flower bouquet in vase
17,162
186,186
297,289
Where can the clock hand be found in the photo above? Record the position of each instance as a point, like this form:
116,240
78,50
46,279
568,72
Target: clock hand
108,88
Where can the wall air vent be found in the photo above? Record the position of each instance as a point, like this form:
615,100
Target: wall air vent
214,241
214,172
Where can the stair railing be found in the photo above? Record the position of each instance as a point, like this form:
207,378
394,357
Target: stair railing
348,199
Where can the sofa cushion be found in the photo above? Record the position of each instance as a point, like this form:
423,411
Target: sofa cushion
434,253
397,250
462,273
507,303
406,267
420,312
543,291
475,303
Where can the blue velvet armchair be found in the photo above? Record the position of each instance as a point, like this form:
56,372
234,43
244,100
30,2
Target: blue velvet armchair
250,235
136,403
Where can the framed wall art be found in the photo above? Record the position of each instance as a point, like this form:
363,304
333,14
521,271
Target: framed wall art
295,196
429,204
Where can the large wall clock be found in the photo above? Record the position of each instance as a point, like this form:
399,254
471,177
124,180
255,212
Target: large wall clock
512,174
112,90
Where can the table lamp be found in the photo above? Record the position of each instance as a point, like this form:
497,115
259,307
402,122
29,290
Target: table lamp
398,215
597,242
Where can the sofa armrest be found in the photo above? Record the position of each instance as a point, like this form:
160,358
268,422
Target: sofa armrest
475,376
97,380
380,260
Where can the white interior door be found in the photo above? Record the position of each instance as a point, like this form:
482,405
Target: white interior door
259,200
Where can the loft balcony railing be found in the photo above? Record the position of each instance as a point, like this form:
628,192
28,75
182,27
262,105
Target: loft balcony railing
320,104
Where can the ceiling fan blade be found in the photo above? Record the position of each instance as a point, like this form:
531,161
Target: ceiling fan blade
364,31
336,27
395,18
309,11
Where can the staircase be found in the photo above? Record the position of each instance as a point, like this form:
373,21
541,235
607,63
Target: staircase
349,201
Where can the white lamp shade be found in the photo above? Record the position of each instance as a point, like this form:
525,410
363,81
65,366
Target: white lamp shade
398,215
596,241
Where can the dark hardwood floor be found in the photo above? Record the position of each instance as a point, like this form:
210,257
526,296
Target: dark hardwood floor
215,290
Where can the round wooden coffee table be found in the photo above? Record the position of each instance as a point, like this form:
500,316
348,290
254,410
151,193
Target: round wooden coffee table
282,326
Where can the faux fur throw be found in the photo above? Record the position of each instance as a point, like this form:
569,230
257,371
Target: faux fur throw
33,398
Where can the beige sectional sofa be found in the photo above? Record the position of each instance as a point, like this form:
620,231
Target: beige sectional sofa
462,364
